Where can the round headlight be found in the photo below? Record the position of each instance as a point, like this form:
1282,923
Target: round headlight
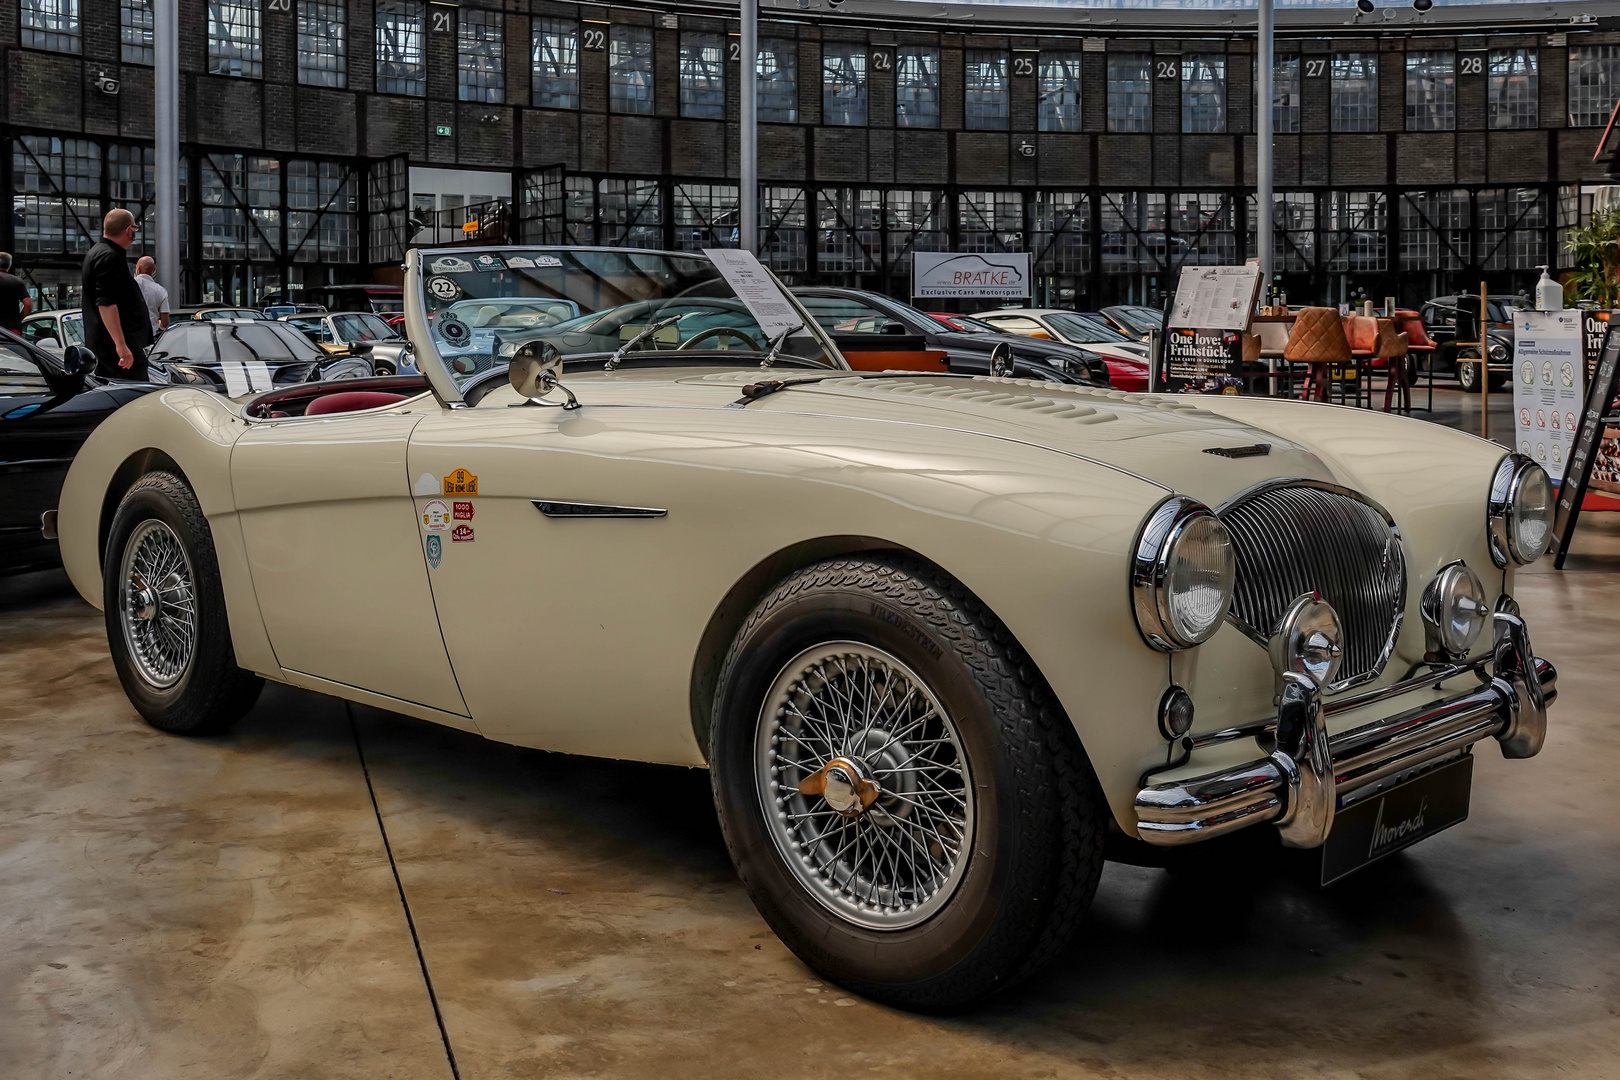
1454,610
1182,575
1521,511
1499,352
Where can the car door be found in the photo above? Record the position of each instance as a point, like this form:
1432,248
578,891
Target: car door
337,557
41,427
567,632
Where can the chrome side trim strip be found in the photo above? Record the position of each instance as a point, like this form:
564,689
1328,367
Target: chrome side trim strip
555,508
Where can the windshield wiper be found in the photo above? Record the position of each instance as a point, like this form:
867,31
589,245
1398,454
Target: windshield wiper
776,346
647,332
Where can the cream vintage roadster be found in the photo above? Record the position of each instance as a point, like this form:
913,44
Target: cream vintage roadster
935,637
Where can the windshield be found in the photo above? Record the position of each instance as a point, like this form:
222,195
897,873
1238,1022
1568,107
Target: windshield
482,304
362,328
969,325
1086,331
1139,319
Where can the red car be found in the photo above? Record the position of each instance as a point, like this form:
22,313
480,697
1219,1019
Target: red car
1123,372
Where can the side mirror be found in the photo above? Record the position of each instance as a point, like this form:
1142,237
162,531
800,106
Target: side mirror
534,373
1001,360
361,347
892,328
79,360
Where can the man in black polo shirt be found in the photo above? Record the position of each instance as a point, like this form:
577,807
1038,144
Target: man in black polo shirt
15,303
116,326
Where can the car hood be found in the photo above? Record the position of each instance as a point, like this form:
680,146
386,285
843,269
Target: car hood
1206,447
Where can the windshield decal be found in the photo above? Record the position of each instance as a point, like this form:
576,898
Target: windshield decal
443,288
450,264
488,262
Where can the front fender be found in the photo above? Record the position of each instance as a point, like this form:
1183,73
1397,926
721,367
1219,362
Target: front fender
195,431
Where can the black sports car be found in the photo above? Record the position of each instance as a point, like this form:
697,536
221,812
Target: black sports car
844,312
245,357
49,404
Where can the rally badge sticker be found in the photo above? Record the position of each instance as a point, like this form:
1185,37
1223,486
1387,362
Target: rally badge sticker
460,482
435,516
450,264
463,511
426,484
461,534
443,288
434,547
454,331
489,262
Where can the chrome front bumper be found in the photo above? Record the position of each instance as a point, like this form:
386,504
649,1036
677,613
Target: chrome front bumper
1308,774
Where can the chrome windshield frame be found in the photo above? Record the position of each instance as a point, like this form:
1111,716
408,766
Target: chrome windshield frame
431,363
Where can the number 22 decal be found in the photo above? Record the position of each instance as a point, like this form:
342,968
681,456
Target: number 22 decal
596,39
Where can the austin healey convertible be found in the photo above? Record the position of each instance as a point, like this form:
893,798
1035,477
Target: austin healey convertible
938,638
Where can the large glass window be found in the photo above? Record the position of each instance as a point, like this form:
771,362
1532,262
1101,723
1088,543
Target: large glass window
1594,75
703,84
1062,234
135,31
129,185
1285,95
782,243
1435,229
481,56
51,24
630,69
1512,228
1354,92
1514,100
322,218
1130,92
1133,231
916,86
843,84
990,221
555,63
56,184
323,39
776,83
400,66
1203,93
984,86
235,39
1203,226
917,220
1060,91
1354,225
848,236
705,216
630,212
1431,91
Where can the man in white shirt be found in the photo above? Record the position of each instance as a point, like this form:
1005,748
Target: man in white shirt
155,295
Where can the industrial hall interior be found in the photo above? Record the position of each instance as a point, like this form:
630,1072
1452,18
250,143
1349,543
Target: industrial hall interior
936,538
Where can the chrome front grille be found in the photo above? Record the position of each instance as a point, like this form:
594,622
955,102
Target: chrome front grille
1298,537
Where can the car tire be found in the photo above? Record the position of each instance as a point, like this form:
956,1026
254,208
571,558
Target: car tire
1468,375
944,932
165,611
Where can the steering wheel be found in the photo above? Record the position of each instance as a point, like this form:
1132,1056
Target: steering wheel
720,332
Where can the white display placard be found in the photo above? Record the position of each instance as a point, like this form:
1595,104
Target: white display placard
1215,298
1549,370
1002,274
756,288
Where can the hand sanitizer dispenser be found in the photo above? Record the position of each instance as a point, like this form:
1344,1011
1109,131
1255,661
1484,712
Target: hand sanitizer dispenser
1549,294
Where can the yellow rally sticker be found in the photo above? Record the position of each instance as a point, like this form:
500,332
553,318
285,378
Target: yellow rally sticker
461,482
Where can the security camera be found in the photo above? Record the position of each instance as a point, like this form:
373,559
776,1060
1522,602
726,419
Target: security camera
1366,7
106,84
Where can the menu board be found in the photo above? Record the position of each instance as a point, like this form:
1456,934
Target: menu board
1549,369
1215,297
1203,361
1587,464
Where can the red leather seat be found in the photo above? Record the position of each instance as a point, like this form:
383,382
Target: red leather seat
351,401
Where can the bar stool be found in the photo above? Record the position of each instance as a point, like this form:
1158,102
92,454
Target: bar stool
1392,348
1418,341
1273,339
1318,339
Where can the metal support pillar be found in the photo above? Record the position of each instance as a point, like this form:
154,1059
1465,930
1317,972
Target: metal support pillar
748,141
166,143
1264,212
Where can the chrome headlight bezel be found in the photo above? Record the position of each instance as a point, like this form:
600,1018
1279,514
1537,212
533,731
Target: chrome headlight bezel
1154,558
1507,488
1455,585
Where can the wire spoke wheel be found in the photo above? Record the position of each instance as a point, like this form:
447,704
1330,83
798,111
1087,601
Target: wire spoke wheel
864,786
158,603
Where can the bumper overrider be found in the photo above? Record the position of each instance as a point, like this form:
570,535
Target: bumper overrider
1308,775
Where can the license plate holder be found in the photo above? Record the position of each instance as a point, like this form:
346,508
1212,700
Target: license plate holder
1398,818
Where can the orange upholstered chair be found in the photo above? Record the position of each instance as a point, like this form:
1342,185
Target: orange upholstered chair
1318,339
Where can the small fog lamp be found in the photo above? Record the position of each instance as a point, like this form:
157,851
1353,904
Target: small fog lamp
1309,640
1454,611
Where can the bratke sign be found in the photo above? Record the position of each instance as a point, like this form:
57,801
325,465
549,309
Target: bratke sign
1003,274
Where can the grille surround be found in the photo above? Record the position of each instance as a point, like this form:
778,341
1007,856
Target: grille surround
1294,536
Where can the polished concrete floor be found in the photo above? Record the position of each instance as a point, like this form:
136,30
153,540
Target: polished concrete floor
335,892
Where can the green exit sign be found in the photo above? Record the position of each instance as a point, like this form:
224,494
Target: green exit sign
442,129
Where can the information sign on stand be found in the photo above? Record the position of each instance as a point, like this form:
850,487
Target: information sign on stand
1203,340
1549,368
1588,448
